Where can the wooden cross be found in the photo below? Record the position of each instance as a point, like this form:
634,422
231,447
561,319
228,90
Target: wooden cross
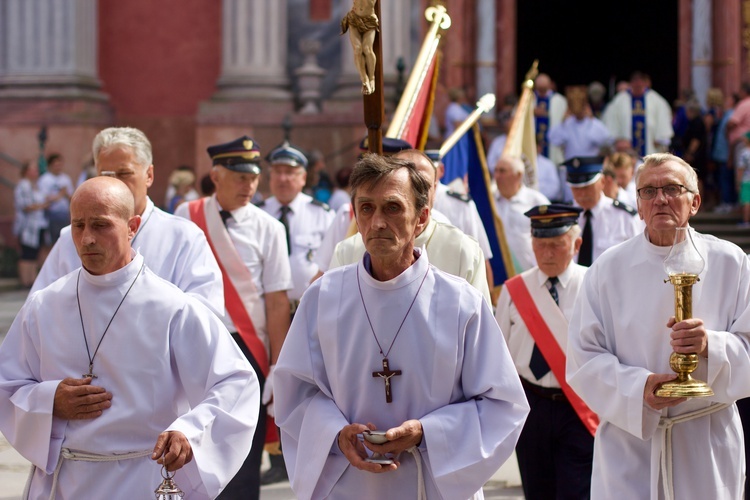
375,103
386,375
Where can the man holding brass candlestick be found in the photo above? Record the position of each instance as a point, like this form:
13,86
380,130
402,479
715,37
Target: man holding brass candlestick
622,334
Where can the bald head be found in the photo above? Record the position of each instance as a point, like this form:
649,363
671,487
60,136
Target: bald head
542,83
109,190
103,223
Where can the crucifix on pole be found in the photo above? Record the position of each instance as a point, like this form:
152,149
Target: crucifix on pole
363,24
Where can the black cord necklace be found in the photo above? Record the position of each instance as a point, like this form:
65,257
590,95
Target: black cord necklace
387,373
90,374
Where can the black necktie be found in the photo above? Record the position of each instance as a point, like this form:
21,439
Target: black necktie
538,364
585,254
285,220
225,216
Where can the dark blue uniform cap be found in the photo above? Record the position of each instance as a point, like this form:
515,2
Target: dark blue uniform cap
391,146
240,155
548,221
286,154
583,170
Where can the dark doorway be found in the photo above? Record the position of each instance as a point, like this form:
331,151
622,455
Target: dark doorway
580,41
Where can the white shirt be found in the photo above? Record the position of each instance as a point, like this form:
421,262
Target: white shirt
50,184
457,379
337,231
462,212
618,337
308,222
260,242
516,333
338,198
452,252
549,179
611,223
516,226
454,114
584,137
166,359
174,249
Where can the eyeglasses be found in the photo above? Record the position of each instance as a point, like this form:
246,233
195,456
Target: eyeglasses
670,191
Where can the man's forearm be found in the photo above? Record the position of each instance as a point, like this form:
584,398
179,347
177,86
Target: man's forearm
277,319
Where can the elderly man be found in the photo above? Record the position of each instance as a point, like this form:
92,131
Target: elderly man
451,250
112,367
622,333
392,321
305,219
251,248
605,222
173,248
512,200
556,446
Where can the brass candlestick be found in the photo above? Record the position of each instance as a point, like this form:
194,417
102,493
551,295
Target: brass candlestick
683,265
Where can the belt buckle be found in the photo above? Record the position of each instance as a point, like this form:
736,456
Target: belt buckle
557,397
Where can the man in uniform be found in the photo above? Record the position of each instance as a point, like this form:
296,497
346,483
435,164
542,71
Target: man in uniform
305,221
111,368
173,248
250,246
512,200
622,333
452,407
605,222
450,249
556,446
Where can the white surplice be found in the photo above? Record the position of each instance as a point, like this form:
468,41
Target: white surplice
618,337
457,379
175,249
163,352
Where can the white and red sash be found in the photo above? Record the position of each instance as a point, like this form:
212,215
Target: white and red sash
240,293
542,316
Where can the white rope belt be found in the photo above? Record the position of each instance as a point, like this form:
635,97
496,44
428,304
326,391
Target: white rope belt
666,424
79,456
421,493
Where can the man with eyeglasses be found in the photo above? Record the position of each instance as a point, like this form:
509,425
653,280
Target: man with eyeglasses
605,222
622,334
173,248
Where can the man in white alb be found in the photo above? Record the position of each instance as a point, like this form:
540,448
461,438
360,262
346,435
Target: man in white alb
111,368
393,344
173,248
622,333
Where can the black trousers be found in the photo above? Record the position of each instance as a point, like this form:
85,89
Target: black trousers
555,451
246,483
743,406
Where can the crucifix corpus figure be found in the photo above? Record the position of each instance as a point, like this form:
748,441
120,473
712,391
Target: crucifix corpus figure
364,23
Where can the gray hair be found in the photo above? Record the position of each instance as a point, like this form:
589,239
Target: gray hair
658,159
515,162
372,169
124,137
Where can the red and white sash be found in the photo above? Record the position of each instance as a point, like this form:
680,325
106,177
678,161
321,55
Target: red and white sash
241,296
542,316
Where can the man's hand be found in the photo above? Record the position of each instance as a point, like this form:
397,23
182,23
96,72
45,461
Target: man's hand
653,382
77,399
172,450
689,336
400,438
354,451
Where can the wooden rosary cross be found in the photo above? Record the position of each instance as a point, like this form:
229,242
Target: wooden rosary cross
386,375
